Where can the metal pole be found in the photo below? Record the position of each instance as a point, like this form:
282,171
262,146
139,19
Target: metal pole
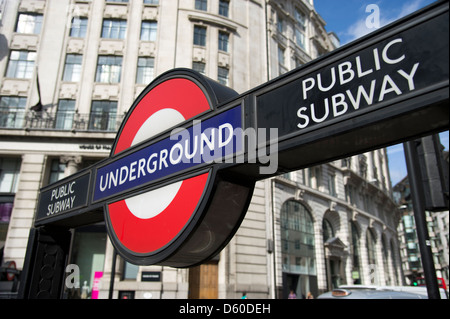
113,275
418,201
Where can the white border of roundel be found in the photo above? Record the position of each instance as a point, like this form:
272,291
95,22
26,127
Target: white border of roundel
152,203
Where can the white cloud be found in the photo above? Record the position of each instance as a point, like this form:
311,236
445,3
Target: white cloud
357,30
359,27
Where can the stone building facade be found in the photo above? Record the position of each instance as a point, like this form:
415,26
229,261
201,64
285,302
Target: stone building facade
69,71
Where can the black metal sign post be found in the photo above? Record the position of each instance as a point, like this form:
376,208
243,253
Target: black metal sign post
385,88
417,197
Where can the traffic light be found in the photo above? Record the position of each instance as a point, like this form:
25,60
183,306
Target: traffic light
434,171
414,281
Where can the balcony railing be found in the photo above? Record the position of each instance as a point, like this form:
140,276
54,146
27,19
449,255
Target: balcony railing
64,121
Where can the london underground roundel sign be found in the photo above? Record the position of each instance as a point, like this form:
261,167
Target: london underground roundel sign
192,210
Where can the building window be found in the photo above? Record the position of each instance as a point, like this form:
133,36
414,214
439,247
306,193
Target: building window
201,5
29,23
280,25
300,38
151,1
315,177
281,61
362,165
78,27
356,272
130,271
223,41
199,35
21,64
332,184
145,70
72,68
222,75
305,177
103,116
109,69
114,29
65,114
297,237
281,55
300,28
9,179
350,194
371,252
148,30
57,170
199,67
9,174
300,19
224,6
12,111
88,252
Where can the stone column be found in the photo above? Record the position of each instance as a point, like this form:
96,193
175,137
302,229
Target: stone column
72,164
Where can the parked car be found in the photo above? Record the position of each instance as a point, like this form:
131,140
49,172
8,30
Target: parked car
371,292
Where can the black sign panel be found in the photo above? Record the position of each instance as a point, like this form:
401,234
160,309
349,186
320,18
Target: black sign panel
64,197
151,276
385,88
366,76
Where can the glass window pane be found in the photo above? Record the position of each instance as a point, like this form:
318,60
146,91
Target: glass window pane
109,69
223,41
78,27
12,111
29,23
103,116
72,68
114,29
130,270
9,174
297,239
222,75
199,35
201,5
224,7
65,114
148,30
21,64
145,70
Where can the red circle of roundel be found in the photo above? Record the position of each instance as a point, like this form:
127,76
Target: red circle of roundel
150,234
179,94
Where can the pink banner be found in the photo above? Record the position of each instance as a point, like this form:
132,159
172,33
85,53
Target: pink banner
96,284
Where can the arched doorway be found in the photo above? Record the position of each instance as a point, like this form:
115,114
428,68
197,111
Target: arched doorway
335,253
298,250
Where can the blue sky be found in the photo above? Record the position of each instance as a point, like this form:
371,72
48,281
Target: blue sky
347,19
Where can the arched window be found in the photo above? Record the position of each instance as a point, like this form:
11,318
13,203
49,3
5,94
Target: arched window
297,237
